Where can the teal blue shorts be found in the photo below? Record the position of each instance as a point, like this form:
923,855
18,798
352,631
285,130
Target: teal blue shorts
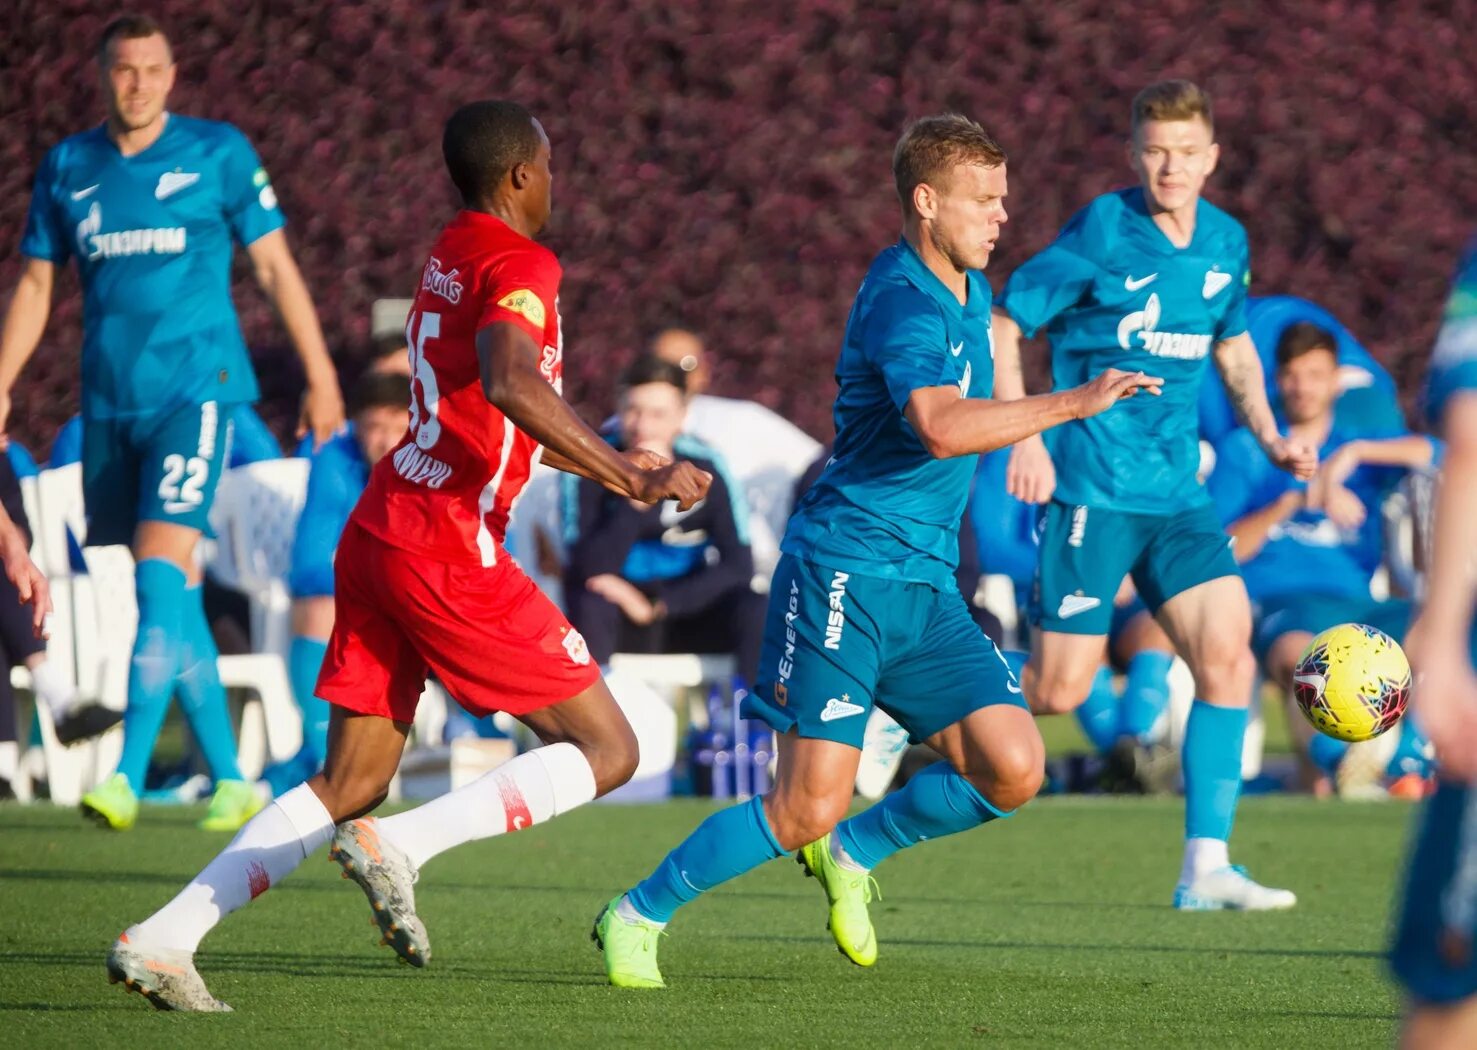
1086,552
161,467
1434,955
836,643
1318,612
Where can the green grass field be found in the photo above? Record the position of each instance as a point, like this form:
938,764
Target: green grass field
1052,929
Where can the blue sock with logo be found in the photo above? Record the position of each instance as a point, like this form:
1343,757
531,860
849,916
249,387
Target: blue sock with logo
160,588
727,844
304,661
936,802
202,697
1326,753
1211,762
1098,714
1146,694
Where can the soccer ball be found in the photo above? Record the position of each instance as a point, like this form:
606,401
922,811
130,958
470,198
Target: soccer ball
1352,682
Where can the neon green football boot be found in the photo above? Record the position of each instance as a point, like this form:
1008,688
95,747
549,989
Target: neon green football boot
112,804
630,949
849,893
233,804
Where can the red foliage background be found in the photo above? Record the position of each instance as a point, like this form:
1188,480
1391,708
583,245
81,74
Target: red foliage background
727,165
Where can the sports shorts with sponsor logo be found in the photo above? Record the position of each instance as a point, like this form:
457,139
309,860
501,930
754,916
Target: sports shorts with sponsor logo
836,643
1086,552
160,467
493,639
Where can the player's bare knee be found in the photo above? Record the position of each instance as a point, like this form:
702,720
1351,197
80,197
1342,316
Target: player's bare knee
614,759
1012,775
796,821
1058,696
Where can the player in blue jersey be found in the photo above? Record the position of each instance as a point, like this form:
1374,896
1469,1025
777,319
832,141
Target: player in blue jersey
1309,553
864,608
1433,955
149,203
1152,276
339,475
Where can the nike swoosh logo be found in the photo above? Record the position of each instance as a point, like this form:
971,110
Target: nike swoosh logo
957,350
1131,285
171,182
82,195
1011,687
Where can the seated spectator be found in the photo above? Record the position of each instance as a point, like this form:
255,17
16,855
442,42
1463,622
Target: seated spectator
765,452
1309,552
388,355
379,405
652,579
1366,390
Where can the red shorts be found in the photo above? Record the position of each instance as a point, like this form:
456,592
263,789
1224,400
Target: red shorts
496,641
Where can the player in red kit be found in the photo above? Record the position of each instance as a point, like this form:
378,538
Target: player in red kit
423,583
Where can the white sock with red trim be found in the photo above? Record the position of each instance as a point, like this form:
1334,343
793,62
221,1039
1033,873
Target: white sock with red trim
534,787
263,853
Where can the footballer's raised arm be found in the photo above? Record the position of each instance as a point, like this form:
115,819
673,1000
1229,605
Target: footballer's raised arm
508,359
949,425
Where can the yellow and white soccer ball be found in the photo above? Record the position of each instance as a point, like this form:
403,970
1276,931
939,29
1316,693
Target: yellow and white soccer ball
1352,682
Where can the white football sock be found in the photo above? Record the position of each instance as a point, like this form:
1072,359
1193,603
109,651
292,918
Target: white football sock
844,859
534,787
1203,856
53,689
263,853
10,754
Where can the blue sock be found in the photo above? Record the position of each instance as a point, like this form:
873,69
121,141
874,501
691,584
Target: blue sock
1098,714
1326,753
202,697
1413,754
304,661
727,844
160,586
936,802
1146,694
1212,767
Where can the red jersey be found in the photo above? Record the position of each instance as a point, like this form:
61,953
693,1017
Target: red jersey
447,489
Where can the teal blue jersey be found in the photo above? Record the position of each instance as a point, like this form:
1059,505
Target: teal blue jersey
883,506
1454,361
152,235
1113,292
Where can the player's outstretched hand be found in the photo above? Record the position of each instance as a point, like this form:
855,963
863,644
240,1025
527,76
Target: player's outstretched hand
29,581
682,482
1112,386
1298,459
1030,476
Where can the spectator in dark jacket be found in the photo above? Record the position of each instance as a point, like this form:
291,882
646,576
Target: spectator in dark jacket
652,579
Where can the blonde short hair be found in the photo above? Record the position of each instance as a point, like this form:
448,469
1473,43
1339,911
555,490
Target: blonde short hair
1172,100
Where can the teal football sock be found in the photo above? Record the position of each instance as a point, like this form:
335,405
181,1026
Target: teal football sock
202,697
304,661
936,802
727,844
1146,693
1098,714
160,588
1212,768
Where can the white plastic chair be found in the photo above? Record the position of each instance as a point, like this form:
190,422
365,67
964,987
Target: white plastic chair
54,505
255,518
